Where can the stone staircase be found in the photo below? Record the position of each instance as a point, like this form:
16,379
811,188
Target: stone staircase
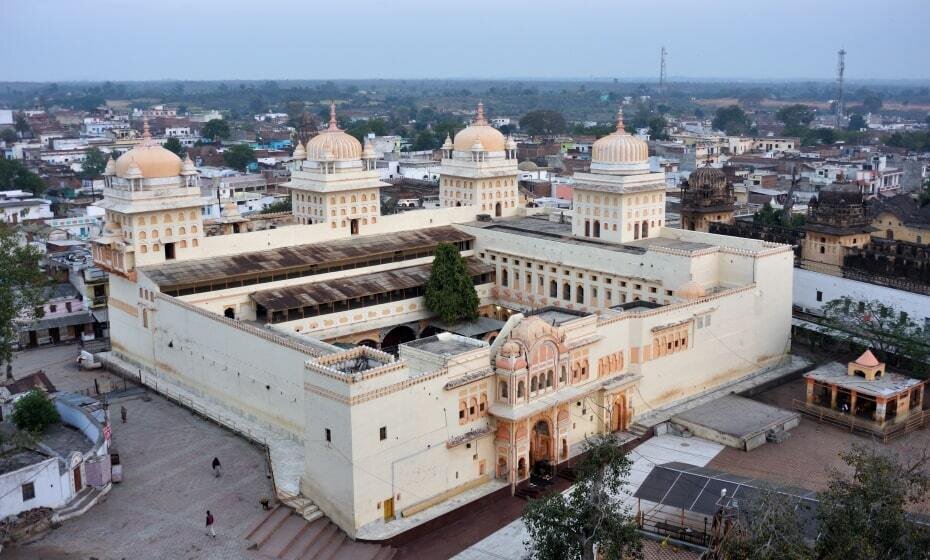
639,430
82,501
289,533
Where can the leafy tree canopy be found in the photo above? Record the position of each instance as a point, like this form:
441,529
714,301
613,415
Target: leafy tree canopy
591,515
8,135
863,516
732,120
95,162
21,287
450,291
15,175
881,327
856,123
239,156
34,412
795,116
543,122
215,129
174,145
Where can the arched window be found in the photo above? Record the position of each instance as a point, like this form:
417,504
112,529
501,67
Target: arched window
553,289
140,221
463,412
566,292
154,234
180,216
168,232
193,229
503,389
342,200
194,243
167,218
549,376
483,404
184,244
142,235
353,199
534,385
563,375
144,249
521,389
504,277
579,294
192,215
472,408
182,230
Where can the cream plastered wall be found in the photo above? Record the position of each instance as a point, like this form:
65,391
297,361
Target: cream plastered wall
301,234
900,231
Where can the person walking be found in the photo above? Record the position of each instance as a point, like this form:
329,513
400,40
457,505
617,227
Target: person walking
122,413
210,530
217,468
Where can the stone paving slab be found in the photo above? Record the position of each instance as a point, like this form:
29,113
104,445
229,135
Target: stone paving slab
158,510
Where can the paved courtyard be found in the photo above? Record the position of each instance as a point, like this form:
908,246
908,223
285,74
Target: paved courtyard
158,510
812,452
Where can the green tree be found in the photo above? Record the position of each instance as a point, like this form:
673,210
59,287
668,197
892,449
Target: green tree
863,516
94,163
174,145
543,122
15,175
591,515
8,135
21,124
856,122
732,120
215,130
239,156
426,140
872,103
657,128
795,116
882,328
450,291
770,530
34,412
21,287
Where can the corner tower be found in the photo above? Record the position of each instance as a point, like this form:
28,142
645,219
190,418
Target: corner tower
152,206
620,200
479,168
337,183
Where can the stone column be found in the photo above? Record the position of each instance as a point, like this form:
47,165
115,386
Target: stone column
833,394
852,403
880,405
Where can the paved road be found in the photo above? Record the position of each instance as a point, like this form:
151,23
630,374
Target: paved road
158,510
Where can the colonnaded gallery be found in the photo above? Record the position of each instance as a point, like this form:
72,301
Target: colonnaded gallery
317,332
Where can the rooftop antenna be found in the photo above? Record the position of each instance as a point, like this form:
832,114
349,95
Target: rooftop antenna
662,76
840,71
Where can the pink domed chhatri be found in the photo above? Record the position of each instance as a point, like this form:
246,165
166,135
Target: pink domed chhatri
867,359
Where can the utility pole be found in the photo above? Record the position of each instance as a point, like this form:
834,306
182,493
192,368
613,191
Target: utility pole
840,71
662,77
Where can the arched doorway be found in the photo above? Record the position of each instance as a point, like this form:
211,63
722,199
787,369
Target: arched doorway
597,228
645,232
541,442
636,231
521,468
502,468
353,226
497,209
396,336
587,228
618,415
229,313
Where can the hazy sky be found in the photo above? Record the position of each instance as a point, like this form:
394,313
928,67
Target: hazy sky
313,39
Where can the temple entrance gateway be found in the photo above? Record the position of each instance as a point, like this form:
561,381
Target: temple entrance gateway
541,443
618,415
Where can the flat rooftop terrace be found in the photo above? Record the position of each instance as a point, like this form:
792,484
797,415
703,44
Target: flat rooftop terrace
446,344
556,316
543,228
256,267
736,416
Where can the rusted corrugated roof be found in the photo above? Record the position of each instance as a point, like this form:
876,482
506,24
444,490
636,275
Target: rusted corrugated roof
341,289
184,273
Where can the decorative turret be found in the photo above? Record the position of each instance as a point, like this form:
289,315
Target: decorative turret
300,153
510,357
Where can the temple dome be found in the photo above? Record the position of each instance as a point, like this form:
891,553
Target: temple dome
527,166
710,176
152,160
480,132
867,359
620,147
333,143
